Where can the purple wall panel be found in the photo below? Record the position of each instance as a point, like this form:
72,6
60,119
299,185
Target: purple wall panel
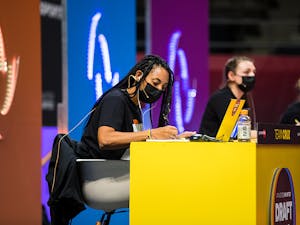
179,33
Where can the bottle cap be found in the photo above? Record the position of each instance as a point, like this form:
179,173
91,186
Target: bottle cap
244,112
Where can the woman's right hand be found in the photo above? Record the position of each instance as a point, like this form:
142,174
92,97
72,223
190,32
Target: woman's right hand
166,132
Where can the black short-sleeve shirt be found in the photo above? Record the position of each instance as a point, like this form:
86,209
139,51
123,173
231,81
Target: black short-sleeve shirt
291,114
215,110
115,110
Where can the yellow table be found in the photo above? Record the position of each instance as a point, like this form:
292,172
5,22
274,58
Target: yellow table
199,183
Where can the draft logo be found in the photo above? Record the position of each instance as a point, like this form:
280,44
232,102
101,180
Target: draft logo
282,209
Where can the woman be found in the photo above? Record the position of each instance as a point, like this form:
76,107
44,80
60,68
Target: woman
117,118
292,113
239,73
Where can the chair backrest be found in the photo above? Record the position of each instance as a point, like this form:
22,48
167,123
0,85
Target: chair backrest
105,183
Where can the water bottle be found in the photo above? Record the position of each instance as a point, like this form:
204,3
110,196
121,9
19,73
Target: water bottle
244,127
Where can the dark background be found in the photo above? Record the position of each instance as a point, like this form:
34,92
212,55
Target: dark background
266,30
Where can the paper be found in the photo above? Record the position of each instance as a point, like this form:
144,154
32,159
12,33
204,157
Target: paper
168,140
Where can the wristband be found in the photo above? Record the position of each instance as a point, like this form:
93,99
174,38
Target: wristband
149,134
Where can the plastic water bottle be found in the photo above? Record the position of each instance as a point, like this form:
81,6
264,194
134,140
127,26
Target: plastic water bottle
244,127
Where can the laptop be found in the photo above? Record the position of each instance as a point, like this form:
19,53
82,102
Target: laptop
226,129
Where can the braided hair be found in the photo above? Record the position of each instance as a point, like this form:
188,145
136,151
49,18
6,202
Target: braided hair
146,65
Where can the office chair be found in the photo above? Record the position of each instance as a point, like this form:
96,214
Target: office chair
105,185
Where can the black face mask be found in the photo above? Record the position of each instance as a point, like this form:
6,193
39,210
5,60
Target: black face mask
247,84
150,94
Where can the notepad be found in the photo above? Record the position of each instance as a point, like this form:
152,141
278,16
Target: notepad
230,118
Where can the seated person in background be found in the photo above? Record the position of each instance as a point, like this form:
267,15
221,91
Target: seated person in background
117,118
239,73
292,114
